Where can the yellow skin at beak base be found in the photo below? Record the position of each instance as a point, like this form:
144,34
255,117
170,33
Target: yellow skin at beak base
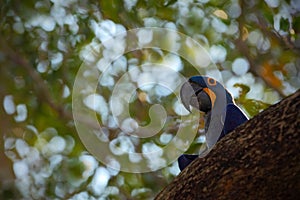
211,95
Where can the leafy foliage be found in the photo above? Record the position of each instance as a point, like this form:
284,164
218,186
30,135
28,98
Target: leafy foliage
255,45
253,106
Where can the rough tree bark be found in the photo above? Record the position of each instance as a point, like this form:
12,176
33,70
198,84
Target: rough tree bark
258,160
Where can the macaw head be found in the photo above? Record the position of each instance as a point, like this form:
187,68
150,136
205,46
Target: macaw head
203,93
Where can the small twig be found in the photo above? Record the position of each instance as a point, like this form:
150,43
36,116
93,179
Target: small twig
285,41
40,85
244,50
42,89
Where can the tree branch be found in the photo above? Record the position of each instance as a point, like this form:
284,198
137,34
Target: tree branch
258,160
40,86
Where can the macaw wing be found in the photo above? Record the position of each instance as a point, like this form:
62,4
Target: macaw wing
234,118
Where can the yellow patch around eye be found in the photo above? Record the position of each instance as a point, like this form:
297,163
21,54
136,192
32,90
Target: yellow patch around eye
211,95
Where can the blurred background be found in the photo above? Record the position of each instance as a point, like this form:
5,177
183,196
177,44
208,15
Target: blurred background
255,47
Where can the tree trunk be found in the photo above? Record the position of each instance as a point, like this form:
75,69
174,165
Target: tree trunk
258,160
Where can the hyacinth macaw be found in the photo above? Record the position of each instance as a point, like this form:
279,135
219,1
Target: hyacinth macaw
221,114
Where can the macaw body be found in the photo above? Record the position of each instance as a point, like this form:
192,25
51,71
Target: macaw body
221,114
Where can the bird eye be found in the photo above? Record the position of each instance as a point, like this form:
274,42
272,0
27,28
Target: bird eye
211,81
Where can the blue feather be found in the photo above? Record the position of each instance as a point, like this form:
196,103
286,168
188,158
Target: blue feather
234,118
185,159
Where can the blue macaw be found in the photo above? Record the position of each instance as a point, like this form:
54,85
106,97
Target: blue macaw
221,114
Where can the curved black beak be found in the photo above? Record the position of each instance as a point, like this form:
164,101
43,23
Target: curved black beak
186,94
192,94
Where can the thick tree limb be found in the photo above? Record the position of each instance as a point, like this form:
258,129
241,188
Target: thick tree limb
258,160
